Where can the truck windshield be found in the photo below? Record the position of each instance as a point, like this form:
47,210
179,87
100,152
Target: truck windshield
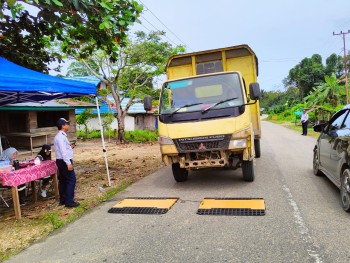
201,93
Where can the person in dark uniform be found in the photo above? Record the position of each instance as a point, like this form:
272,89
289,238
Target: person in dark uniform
304,121
64,161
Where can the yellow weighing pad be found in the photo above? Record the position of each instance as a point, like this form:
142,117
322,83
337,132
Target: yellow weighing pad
232,206
140,205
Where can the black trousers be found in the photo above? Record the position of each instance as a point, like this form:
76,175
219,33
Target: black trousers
304,125
66,182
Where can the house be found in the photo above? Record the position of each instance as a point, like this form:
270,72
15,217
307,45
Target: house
137,118
30,125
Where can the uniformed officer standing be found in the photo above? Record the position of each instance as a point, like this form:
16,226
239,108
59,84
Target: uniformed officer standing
64,156
304,121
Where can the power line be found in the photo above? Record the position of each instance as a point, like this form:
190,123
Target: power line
278,60
158,30
166,26
345,63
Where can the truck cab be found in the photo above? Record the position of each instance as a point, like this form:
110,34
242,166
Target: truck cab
209,112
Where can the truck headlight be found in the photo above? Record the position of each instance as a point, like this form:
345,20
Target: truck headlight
238,143
165,140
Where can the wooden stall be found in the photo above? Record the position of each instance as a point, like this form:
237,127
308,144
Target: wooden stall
30,125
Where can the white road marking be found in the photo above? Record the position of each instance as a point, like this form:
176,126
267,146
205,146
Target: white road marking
311,248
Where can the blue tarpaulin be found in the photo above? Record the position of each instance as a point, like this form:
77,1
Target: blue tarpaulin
19,84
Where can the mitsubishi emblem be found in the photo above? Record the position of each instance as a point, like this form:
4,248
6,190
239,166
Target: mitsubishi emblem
202,147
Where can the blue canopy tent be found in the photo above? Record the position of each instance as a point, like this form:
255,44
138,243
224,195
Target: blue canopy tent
19,84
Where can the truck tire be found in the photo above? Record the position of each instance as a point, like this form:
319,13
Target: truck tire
248,171
257,148
180,174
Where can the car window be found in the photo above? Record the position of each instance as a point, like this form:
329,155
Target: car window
337,123
346,124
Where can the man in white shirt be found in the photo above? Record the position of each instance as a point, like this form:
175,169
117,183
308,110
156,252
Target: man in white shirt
64,162
304,121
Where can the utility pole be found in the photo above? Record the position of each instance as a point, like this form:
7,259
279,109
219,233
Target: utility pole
345,63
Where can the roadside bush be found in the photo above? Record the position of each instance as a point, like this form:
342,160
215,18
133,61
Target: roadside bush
278,109
132,136
141,136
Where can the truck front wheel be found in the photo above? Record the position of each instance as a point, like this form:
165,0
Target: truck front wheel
248,171
180,174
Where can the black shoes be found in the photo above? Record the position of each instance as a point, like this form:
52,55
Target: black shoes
73,204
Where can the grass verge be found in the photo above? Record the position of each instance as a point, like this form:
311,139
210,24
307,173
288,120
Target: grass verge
298,128
49,221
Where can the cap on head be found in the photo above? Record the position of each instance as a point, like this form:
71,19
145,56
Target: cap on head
61,122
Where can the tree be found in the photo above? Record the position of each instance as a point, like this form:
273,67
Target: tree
131,72
334,65
77,69
83,118
81,26
304,75
327,93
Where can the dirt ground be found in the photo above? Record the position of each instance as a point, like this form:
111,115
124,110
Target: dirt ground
127,164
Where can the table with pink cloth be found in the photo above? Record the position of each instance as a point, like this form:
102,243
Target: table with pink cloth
28,174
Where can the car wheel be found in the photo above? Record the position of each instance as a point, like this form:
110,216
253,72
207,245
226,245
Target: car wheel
316,164
180,174
345,190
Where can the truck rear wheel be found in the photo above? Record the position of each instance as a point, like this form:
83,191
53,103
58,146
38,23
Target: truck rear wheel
248,171
257,148
180,174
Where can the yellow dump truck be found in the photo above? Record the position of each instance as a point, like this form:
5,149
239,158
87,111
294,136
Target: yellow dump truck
209,112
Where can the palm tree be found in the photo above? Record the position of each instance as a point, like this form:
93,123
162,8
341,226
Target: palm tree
329,92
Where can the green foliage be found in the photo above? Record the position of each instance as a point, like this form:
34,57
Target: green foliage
310,71
318,87
271,99
83,118
107,120
80,26
141,136
54,219
328,92
304,75
81,134
78,69
131,73
133,136
143,59
334,65
278,109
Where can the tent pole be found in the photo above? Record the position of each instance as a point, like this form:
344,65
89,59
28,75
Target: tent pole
103,141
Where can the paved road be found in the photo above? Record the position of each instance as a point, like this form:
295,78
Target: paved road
304,221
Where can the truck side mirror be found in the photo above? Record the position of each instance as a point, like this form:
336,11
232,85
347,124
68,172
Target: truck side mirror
147,103
254,91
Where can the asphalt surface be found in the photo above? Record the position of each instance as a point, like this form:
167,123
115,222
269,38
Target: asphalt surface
304,221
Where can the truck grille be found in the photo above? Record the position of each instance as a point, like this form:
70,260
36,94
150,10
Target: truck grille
203,143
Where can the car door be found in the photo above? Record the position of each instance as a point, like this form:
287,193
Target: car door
326,142
337,154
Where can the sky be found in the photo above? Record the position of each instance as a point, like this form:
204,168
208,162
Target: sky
281,33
